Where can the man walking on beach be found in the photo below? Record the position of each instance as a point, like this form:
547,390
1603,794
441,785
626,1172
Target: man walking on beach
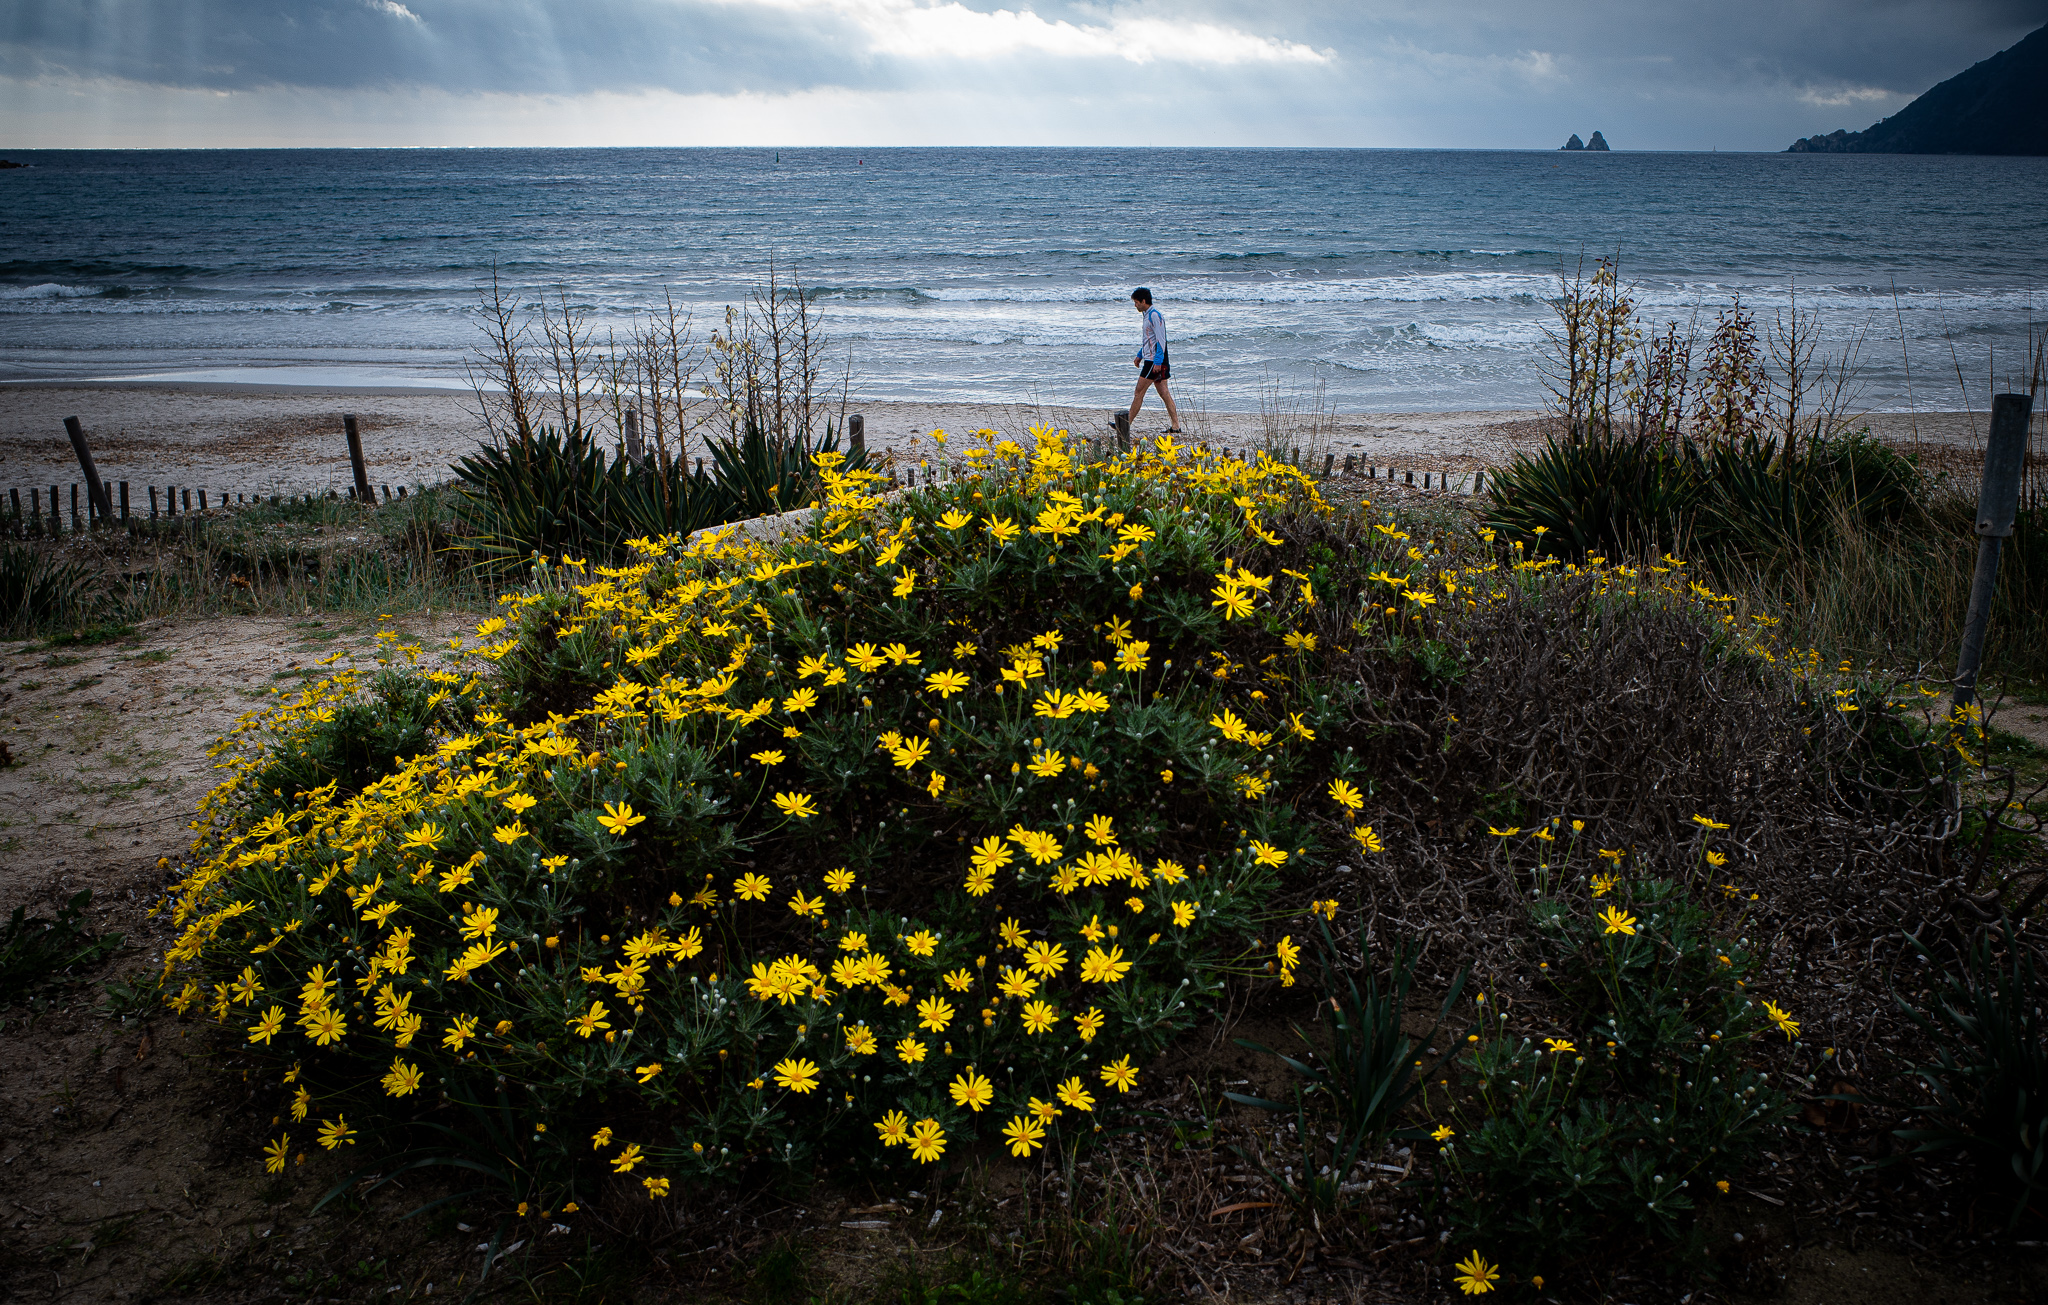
1153,368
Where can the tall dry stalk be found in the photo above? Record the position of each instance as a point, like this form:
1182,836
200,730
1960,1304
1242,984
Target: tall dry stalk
766,366
1812,389
654,389
1590,365
497,370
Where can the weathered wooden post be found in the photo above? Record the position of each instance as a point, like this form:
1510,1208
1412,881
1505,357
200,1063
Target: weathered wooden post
856,437
1998,505
1122,422
633,453
355,457
95,488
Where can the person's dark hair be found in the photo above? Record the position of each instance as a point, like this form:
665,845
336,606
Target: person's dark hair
1142,295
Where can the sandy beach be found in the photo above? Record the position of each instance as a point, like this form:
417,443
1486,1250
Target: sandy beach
252,439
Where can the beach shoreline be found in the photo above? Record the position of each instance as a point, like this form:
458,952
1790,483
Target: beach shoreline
249,439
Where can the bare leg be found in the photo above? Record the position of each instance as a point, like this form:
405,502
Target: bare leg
1138,398
1172,414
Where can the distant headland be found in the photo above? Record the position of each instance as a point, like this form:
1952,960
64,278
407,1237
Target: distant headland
1598,142
1999,106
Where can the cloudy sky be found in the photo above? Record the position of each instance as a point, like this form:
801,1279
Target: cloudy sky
1651,74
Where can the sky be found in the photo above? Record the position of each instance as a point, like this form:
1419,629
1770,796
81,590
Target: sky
1481,74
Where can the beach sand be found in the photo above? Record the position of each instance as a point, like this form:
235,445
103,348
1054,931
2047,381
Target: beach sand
253,439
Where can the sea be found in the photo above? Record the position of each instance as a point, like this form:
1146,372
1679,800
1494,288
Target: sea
1360,280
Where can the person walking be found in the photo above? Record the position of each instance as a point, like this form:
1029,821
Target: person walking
1152,361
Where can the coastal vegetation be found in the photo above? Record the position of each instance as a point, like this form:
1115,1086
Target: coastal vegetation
924,834
1739,450
1114,875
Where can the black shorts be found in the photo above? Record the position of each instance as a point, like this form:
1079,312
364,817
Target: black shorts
1158,371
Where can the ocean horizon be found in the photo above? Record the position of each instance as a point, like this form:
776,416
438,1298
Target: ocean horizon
1384,280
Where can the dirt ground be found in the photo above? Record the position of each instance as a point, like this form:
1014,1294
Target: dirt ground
109,741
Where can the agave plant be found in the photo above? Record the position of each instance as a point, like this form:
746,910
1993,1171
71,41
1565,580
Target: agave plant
1758,501
1607,497
765,475
1739,498
555,492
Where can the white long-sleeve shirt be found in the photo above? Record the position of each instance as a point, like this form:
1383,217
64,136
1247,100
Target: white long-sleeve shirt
1152,342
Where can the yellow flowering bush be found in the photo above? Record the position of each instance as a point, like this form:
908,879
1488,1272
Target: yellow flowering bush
925,827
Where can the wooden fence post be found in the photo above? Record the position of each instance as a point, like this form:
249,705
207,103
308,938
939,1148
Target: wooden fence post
95,488
633,437
1998,501
856,436
355,457
1122,422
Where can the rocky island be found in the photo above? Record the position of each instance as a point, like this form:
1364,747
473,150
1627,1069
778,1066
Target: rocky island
1999,106
1598,142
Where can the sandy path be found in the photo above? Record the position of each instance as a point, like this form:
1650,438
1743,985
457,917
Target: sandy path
265,440
109,742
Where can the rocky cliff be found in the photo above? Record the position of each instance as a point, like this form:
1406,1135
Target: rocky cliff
1999,106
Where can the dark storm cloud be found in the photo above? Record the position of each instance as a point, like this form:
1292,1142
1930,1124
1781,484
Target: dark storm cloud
521,46
1837,56
1903,45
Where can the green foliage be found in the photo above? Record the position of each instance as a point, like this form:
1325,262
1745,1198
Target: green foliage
1737,501
556,493
1609,1135
1763,506
38,591
1989,1079
611,827
762,476
35,951
1366,1078
780,1273
1614,498
91,636
960,1281
359,741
